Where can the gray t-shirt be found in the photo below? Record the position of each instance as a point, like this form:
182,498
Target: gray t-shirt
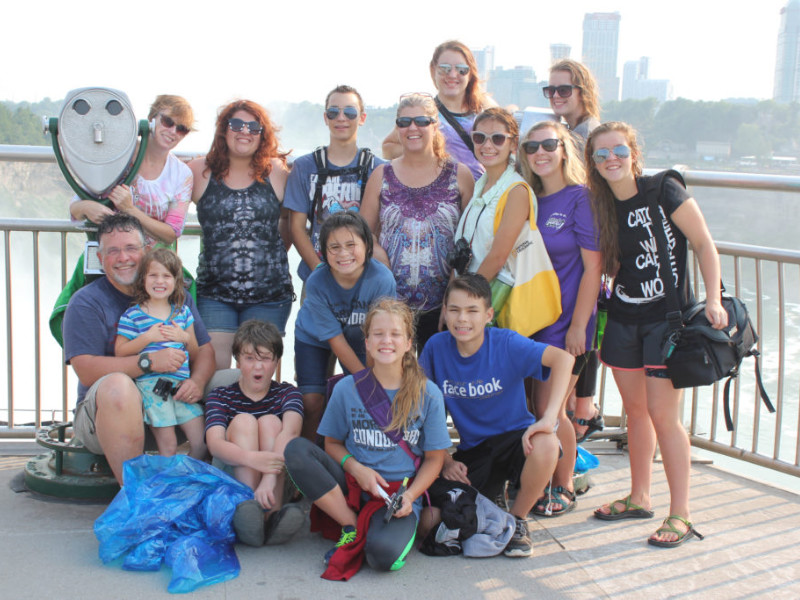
339,192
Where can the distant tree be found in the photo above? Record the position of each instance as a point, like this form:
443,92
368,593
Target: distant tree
638,113
751,140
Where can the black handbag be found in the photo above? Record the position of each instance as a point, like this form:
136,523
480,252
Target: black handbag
694,352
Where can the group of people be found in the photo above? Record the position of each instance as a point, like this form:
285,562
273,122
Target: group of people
383,295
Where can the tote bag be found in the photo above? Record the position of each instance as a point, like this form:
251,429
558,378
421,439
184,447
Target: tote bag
535,299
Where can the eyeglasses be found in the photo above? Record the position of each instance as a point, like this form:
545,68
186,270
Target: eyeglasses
498,139
351,112
169,123
461,68
550,145
115,252
601,155
423,121
564,91
337,249
237,125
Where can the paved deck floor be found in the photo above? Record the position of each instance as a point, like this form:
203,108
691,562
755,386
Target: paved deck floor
751,550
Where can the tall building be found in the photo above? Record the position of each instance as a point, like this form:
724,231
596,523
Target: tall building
637,86
485,61
600,41
787,63
517,86
559,51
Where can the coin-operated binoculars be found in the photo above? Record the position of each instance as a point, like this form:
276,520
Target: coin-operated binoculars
95,141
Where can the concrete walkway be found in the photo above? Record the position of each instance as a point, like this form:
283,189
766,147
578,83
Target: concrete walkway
751,550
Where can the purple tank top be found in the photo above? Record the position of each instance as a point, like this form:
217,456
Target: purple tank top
417,229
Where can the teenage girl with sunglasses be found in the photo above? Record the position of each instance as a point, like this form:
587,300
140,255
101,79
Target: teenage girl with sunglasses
161,191
459,98
634,334
412,206
574,97
552,166
243,268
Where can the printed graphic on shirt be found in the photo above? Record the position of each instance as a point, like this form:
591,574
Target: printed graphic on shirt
478,388
556,221
651,284
366,433
339,192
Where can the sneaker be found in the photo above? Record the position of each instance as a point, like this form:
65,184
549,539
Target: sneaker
283,524
519,546
249,523
348,537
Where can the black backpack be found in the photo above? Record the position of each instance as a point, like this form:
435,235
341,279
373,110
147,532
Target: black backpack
365,159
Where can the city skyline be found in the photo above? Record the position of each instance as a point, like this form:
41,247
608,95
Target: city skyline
293,53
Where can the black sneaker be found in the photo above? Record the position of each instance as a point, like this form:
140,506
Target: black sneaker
248,523
348,537
283,524
519,546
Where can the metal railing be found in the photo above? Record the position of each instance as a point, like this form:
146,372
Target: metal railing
39,261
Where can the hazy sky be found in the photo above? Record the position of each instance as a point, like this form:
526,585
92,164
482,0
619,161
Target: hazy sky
274,51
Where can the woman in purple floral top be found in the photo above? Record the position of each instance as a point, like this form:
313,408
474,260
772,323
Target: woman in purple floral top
412,206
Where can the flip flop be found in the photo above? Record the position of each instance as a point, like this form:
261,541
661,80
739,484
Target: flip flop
668,527
631,511
554,496
596,423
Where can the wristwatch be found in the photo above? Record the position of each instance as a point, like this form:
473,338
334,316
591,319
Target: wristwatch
145,363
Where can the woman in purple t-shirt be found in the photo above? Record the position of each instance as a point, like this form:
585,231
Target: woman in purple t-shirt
412,206
552,166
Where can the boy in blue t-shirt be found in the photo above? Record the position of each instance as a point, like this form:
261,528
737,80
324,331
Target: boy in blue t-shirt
343,184
481,372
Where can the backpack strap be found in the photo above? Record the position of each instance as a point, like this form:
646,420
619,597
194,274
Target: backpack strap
365,161
376,401
321,163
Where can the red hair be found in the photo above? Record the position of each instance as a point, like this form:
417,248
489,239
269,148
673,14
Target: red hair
217,159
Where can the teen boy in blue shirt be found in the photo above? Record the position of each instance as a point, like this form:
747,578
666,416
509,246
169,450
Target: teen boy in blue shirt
481,372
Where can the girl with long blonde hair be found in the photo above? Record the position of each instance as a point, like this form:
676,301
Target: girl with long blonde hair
382,425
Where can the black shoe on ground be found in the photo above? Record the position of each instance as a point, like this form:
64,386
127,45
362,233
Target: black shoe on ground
248,523
283,524
519,546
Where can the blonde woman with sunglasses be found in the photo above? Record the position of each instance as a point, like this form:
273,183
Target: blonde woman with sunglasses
552,166
243,268
412,206
459,98
161,191
574,97
634,335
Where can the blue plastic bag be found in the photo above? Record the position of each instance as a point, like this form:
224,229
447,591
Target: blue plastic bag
585,460
176,510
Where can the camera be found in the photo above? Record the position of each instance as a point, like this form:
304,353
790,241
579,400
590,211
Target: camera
165,388
460,256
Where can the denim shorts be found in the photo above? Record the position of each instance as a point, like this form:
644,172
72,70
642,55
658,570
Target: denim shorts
311,363
227,316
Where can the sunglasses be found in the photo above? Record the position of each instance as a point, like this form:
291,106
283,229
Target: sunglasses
531,147
601,155
237,125
564,91
169,123
403,122
498,139
351,112
460,68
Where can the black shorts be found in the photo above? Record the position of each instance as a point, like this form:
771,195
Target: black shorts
634,346
494,461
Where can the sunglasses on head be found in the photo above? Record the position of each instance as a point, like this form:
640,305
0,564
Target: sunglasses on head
169,123
564,91
531,147
351,112
498,139
460,68
423,121
237,125
601,155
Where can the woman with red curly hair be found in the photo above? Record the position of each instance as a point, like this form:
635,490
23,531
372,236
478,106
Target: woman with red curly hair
243,268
